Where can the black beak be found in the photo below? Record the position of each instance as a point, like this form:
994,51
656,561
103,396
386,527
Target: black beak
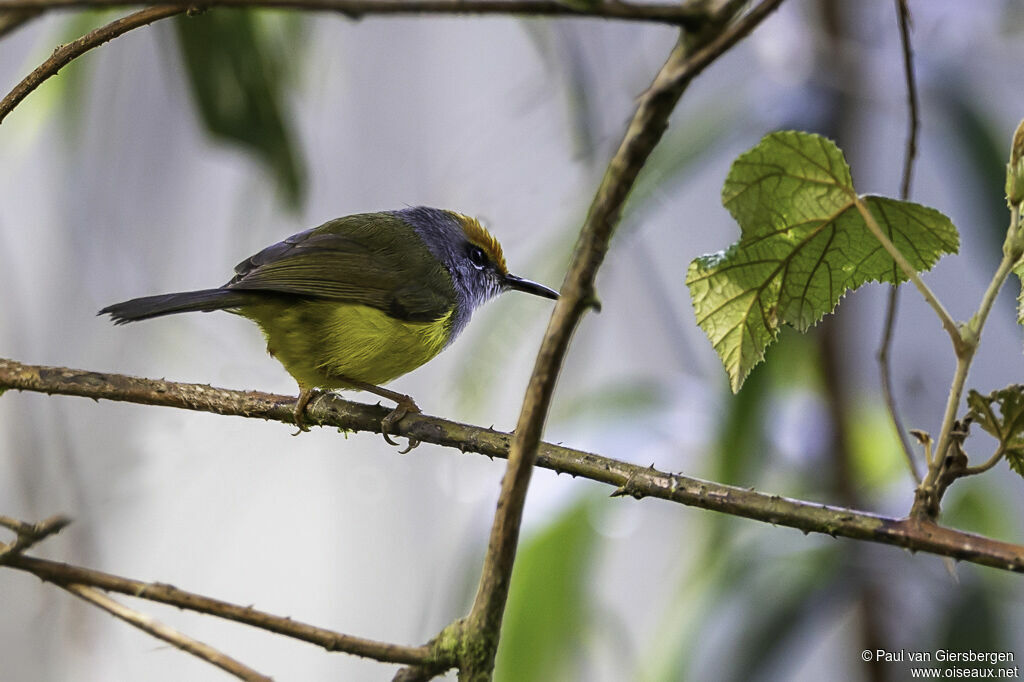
520,284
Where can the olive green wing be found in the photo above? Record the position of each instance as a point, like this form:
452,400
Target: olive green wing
372,259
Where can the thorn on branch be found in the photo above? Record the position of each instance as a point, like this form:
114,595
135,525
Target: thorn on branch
629,488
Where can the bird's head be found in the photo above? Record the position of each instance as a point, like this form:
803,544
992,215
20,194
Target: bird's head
471,254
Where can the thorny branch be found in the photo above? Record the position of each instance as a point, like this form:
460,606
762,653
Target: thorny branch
628,479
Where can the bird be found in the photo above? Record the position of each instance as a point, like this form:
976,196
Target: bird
359,300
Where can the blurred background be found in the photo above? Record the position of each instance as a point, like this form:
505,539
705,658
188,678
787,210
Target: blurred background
160,160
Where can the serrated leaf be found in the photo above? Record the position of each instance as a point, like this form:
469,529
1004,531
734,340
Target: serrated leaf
1008,426
235,72
803,245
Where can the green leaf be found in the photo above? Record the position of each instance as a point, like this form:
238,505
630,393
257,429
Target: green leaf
1008,426
236,73
547,605
803,245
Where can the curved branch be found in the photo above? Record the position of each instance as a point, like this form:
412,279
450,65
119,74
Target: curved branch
63,55
690,15
691,55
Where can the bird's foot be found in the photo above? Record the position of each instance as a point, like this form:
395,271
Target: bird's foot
405,406
300,408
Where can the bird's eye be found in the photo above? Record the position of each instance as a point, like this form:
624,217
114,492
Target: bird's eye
477,257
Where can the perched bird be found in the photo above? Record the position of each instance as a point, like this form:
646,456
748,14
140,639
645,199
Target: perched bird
359,300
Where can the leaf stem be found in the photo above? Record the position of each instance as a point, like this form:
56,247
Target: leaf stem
947,321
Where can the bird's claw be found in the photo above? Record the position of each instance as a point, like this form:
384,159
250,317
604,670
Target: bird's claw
403,408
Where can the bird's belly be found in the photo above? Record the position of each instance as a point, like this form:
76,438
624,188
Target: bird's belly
322,343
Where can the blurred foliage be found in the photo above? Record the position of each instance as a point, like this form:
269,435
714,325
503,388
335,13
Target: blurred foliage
548,606
875,453
777,600
72,88
730,560
684,150
984,149
616,400
239,72
740,442
973,504
560,50
973,622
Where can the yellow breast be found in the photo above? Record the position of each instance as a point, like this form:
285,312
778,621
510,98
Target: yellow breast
322,343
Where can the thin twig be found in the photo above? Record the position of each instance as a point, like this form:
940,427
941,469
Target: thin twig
913,119
909,155
885,369
690,56
63,574
34,531
628,479
64,54
689,15
28,534
166,633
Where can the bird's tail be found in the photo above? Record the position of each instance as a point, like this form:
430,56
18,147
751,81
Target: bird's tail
167,304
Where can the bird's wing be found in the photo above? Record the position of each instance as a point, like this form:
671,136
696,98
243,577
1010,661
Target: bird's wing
378,262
